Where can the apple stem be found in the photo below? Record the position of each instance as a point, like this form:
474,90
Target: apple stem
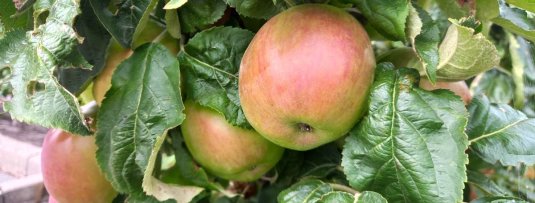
344,188
225,192
272,179
89,109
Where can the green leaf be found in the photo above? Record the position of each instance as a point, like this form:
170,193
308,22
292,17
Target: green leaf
2,30
124,23
173,23
199,14
174,4
499,133
287,171
388,17
498,200
410,147
452,8
525,58
471,22
424,35
93,49
487,9
306,191
528,5
143,198
517,71
210,63
263,9
464,54
11,19
338,197
512,19
486,185
143,103
512,179
516,21
31,59
371,197
321,162
496,84
523,73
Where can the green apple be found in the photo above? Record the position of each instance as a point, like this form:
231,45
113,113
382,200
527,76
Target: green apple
224,150
102,83
70,170
304,79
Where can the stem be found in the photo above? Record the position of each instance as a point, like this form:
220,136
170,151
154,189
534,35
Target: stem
340,169
290,2
343,188
271,180
90,109
182,42
160,36
224,192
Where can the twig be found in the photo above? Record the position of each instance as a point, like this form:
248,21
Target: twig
343,188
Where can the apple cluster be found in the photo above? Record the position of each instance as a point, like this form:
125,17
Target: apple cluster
299,88
304,81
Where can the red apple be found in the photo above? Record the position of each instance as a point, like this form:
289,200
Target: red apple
51,199
305,77
70,170
224,150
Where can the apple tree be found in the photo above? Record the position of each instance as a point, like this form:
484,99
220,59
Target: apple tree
276,101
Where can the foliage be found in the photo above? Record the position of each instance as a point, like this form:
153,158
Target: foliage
412,145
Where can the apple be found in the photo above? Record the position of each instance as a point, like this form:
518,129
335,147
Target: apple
70,170
224,150
51,199
117,54
530,173
305,77
406,57
102,83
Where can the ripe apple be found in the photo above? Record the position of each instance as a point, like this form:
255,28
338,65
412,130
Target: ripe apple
224,150
305,77
70,170
405,57
117,54
51,199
